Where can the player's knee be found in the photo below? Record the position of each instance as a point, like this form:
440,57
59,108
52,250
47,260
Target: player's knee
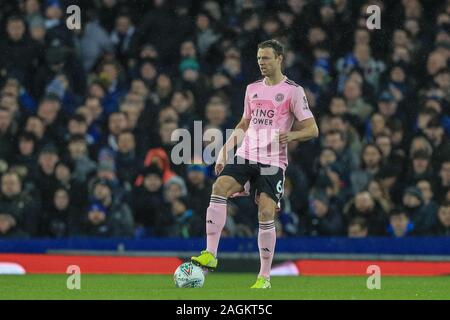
219,189
266,214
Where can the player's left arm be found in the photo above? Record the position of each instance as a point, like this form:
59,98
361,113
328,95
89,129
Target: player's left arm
301,131
305,126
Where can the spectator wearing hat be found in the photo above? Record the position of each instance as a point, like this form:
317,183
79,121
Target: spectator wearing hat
387,105
322,219
175,188
107,170
178,221
159,157
193,79
107,216
148,200
442,225
24,212
400,224
36,25
422,217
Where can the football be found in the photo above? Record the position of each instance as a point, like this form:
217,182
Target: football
188,275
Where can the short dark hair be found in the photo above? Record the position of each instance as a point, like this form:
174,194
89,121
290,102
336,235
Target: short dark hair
334,132
77,138
27,136
77,118
397,211
15,17
277,47
445,204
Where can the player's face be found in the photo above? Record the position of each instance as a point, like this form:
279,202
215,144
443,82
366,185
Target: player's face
268,62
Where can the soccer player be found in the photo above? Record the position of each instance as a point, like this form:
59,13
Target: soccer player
273,106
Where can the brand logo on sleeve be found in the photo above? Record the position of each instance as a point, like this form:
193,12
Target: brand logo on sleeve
305,103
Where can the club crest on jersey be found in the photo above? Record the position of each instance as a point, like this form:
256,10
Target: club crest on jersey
279,97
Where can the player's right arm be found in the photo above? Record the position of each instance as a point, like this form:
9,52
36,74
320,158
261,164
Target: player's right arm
234,140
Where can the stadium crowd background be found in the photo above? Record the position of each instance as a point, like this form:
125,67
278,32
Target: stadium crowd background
86,115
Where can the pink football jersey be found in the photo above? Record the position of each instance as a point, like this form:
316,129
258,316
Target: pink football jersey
271,110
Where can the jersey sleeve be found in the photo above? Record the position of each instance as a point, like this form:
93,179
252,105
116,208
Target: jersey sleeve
247,111
299,105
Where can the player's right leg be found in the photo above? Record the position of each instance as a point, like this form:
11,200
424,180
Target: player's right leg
215,219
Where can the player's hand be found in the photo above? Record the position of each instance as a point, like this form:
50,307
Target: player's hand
220,163
285,137
219,167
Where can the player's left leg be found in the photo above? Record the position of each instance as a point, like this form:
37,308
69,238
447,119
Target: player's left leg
266,239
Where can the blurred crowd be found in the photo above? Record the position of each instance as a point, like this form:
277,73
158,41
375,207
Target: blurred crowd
86,116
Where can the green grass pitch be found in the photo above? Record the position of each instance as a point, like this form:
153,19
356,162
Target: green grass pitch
221,286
